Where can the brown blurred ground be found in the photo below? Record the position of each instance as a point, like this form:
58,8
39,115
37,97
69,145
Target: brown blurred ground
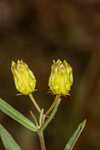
39,31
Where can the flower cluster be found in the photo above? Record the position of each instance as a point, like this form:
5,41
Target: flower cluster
60,80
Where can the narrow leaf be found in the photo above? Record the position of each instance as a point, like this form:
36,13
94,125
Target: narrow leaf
20,118
7,139
72,141
51,115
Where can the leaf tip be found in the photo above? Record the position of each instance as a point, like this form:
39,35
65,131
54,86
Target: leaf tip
84,123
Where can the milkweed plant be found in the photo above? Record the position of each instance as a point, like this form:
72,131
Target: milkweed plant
60,82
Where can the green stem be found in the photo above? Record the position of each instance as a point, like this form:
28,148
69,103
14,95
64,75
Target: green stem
51,115
52,106
35,103
34,118
42,142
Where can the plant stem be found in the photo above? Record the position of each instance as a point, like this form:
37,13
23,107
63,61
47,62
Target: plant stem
53,105
35,103
34,118
42,142
52,114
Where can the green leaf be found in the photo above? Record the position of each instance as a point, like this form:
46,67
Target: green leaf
72,141
7,139
20,118
51,115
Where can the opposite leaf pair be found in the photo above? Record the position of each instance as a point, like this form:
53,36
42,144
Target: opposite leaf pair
10,144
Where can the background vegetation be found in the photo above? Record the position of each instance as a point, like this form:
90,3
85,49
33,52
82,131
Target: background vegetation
39,31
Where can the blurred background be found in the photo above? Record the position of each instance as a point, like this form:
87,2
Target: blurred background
39,31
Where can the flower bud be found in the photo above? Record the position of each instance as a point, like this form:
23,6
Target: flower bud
61,78
23,77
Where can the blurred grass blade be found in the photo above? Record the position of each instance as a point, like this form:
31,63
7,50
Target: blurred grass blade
8,141
72,141
11,112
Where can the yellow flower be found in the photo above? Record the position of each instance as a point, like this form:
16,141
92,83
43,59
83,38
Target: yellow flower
23,77
61,78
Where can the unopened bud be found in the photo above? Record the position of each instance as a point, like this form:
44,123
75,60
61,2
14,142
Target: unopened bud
23,77
61,78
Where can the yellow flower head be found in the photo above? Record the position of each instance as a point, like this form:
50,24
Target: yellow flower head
61,78
23,77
